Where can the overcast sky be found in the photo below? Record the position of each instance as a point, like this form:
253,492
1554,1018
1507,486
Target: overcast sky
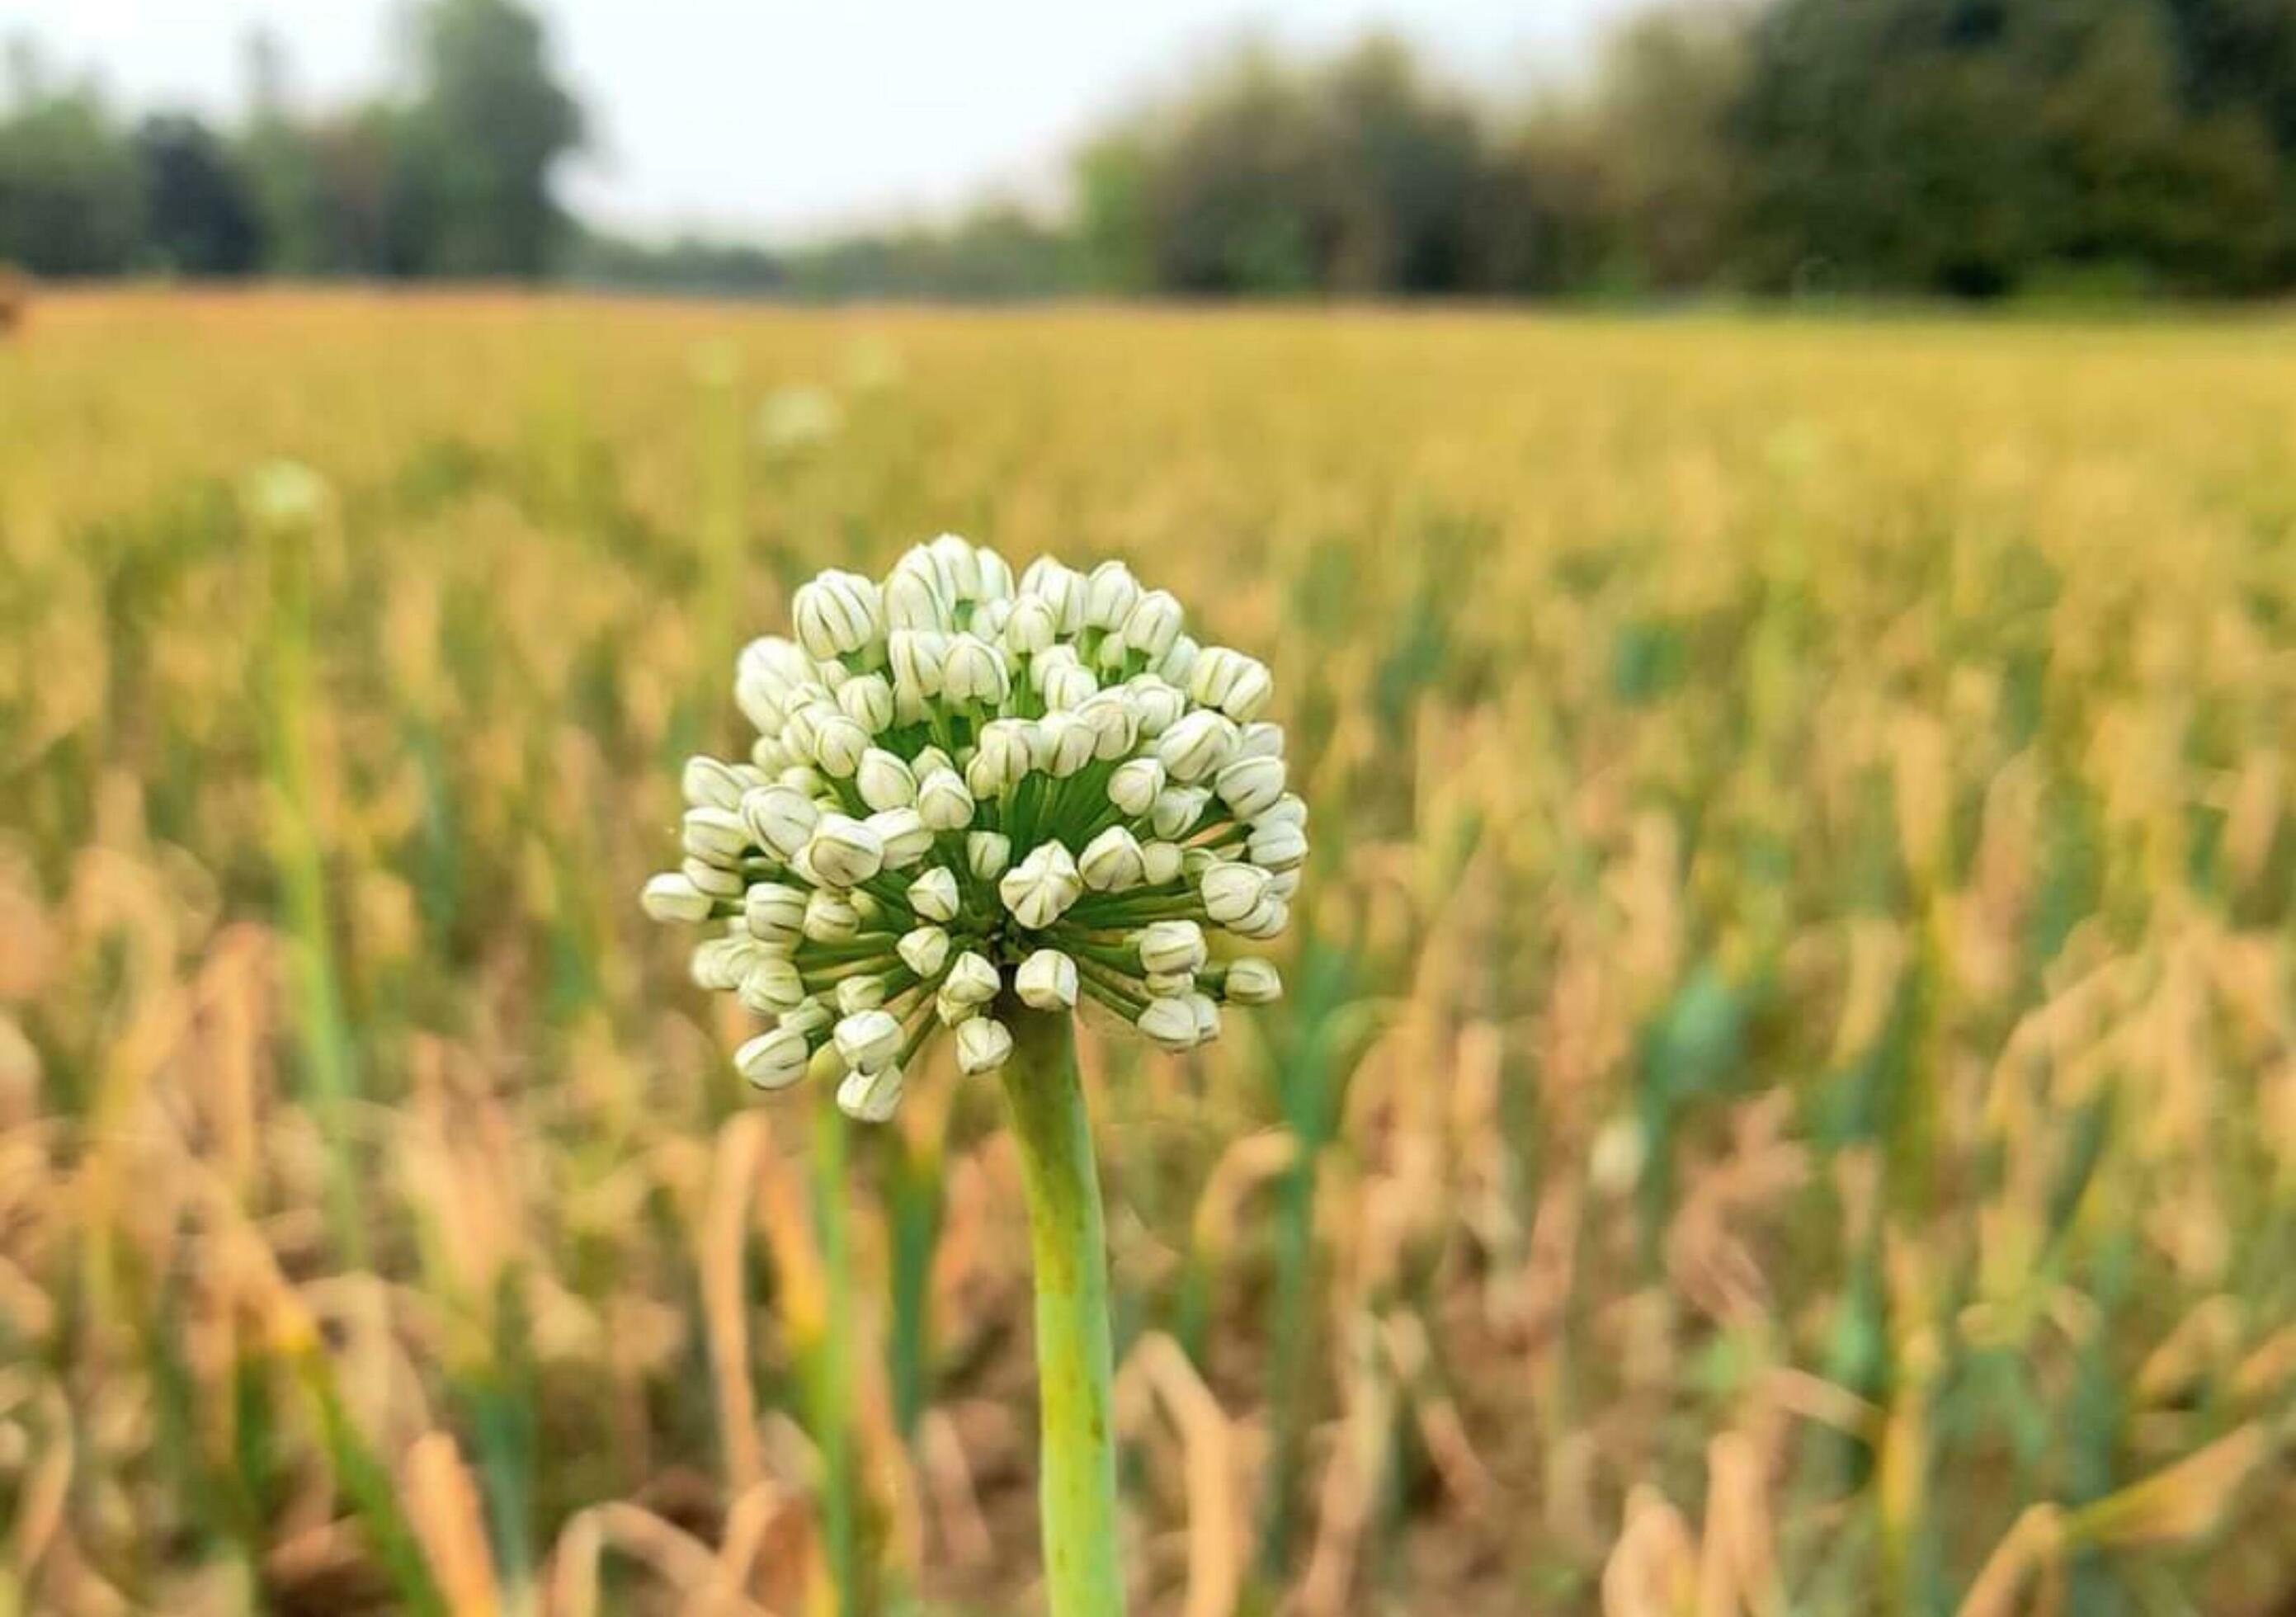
784,119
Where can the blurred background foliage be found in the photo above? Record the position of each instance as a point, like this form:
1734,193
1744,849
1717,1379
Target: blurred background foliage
1787,1097
2061,148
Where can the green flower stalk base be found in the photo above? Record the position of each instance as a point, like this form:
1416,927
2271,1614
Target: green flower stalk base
1068,1244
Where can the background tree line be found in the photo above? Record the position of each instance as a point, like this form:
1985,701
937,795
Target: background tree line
1888,147
451,178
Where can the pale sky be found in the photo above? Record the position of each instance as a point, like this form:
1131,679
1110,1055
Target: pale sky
779,118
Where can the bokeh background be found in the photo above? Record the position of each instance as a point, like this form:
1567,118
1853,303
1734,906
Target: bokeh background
1774,526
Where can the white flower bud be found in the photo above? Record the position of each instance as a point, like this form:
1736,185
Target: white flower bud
1157,705
1207,1017
774,1060
1278,845
1007,751
862,991
1031,626
1114,727
1061,588
1177,810
870,1097
829,917
1237,685
718,964
1169,985
1065,685
771,984
1111,593
1260,739
711,784
972,979
1250,785
884,781
913,599
983,1045
995,575
808,1016
868,1041
952,1010
1111,862
934,895
1266,919
843,852
715,835
771,758
805,780
904,835
775,659
1284,884
1160,863
780,818
1047,980
836,614
1068,744
774,914
1252,981
1172,1023
1153,623
930,760
959,562
716,880
867,700
986,853
1136,784
801,728
1199,744
920,661
925,950
1039,890
975,672
839,745
943,801
1176,664
1287,810
1230,889
1113,656
1171,946
760,703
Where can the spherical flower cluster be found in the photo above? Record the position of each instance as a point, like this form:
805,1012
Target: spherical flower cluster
968,790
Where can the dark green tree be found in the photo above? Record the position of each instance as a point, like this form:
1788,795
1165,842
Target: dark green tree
1407,165
1669,82
281,162
72,199
491,123
198,207
1237,194
1973,146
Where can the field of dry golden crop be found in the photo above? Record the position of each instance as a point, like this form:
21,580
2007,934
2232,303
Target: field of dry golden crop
1786,1102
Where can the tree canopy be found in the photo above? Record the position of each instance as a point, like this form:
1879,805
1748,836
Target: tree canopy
1955,148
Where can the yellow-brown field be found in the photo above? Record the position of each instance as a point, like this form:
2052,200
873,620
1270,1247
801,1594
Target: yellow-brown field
1787,1098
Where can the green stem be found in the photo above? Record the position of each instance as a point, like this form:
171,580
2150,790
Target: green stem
1068,1245
829,1376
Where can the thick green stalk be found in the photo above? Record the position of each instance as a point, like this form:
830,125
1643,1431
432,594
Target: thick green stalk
829,1373
1068,1245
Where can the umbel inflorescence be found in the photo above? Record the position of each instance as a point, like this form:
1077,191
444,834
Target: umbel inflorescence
963,788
